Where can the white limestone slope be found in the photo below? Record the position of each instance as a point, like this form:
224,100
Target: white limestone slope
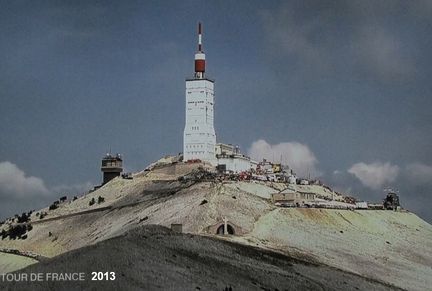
393,247
389,246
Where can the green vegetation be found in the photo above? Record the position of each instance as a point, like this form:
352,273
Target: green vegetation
92,202
24,218
101,199
16,232
54,205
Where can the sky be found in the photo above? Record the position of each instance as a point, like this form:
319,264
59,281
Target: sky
338,90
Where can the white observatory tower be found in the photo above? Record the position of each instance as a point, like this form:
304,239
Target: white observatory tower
199,138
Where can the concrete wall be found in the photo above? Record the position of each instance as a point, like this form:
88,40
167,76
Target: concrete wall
236,164
199,138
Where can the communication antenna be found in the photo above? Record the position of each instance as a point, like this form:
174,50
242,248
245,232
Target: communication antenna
199,56
390,190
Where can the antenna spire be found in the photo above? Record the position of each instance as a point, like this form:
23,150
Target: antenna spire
199,37
199,56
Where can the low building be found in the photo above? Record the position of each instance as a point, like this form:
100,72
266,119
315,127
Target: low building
234,163
229,158
223,149
289,196
265,167
375,206
361,205
304,182
292,179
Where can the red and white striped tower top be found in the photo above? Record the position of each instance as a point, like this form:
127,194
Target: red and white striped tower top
199,56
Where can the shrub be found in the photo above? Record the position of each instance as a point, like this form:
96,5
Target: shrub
23,218
17,231
53,206
92,202
101,199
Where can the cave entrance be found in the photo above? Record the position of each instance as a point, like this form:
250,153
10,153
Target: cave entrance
221,229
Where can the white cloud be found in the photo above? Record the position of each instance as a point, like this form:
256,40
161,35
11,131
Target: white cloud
419,173
19,192
375,175
15,184
298,156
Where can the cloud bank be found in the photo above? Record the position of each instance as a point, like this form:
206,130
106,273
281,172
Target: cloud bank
298,156
15,184
375,175
20,192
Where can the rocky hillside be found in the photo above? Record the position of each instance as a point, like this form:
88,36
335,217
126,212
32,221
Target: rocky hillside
393,247
155,258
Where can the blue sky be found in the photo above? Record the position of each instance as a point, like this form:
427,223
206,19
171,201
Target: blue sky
341,89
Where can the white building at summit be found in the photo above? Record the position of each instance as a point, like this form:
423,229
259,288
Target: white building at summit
199,138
